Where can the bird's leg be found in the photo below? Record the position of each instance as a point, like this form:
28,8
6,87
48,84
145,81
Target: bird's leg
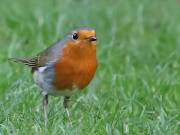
45,106
65,104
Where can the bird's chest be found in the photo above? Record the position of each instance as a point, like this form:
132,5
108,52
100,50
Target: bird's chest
74,73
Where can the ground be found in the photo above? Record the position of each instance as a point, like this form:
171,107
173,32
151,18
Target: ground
136,89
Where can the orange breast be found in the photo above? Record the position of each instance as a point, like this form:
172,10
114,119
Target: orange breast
76,67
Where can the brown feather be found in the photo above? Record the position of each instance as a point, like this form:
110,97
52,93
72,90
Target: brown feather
31,62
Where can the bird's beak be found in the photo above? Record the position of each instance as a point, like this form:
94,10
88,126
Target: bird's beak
92,38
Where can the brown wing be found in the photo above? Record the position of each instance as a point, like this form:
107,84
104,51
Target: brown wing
31,62
39,60
46,57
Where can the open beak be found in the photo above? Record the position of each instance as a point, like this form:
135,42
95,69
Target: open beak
92,38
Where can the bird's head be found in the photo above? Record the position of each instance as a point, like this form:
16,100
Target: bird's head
82,37
81,41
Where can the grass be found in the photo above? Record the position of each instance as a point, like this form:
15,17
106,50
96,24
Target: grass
136,90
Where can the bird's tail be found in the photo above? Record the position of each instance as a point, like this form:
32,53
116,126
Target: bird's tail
25,61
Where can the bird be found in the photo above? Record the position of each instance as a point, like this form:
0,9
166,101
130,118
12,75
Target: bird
65,67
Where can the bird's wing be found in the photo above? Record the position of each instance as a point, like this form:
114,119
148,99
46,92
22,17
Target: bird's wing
47,57
31,62
42,59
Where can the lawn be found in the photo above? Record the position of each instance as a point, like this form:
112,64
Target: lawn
136,89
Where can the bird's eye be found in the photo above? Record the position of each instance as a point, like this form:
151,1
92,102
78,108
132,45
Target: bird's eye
75,36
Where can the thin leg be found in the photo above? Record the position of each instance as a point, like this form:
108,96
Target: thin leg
65,103
45,106
66,100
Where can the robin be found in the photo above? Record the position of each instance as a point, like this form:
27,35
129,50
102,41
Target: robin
65,67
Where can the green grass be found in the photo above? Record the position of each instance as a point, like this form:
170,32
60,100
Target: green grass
136,90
